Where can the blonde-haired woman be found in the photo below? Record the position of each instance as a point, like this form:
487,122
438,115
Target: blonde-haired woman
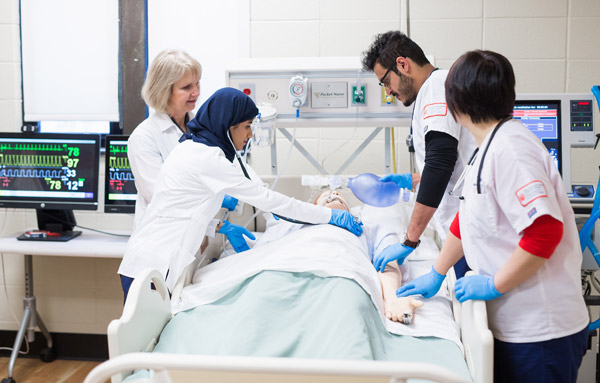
171,89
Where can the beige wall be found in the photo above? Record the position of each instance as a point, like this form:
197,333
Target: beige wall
551,43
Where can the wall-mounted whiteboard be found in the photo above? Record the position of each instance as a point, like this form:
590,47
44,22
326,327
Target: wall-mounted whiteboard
216,33
70,58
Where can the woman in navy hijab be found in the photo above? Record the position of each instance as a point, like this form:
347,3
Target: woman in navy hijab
191,186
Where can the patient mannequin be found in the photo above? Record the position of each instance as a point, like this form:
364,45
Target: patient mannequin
396,309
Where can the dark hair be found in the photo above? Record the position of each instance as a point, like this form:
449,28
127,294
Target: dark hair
388,46
481,85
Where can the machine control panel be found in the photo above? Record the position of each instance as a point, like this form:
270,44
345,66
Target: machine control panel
581,116
583,191
582,194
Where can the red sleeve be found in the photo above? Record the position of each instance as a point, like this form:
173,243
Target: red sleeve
542,237
455,227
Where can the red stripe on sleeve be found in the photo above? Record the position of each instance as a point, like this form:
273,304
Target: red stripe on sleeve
455,227
542,237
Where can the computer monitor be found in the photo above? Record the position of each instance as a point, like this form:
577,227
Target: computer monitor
119,185
52,173
543,118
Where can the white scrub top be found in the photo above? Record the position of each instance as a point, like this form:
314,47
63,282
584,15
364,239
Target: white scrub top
188,193
147,148
431,114
519,183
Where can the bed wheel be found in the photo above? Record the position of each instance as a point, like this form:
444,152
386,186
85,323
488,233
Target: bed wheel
8,380
47,355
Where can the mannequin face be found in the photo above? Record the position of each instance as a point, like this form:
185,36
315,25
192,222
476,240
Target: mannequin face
333,200
241,133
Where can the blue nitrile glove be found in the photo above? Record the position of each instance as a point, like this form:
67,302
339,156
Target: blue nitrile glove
391,253
344,219
235,235
403,180
427,285
229,202
476,287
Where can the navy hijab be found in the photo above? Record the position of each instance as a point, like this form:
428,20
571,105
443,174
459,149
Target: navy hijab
226,107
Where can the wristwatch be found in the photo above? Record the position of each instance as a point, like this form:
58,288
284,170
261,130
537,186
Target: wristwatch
408,243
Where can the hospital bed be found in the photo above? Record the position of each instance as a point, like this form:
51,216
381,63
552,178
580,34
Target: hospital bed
147,324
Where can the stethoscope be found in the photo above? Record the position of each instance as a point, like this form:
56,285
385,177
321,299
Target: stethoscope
461,179
248,176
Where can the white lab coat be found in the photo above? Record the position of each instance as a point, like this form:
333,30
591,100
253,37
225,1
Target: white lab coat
519,183
431,114
147,148
188,193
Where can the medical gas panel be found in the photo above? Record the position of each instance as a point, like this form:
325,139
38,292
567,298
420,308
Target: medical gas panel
318,88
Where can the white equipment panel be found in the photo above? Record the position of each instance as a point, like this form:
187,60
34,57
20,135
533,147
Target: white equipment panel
335,91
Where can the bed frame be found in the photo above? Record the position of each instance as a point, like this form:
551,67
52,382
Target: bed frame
147,311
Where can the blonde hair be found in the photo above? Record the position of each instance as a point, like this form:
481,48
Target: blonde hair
166,69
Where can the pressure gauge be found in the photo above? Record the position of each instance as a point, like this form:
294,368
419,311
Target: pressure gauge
298,90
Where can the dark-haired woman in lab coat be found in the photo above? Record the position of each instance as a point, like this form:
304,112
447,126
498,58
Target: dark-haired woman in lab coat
193,182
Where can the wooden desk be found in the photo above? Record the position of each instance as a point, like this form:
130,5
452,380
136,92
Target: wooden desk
88,244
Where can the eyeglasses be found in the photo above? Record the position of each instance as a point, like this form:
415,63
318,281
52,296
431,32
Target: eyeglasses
382,81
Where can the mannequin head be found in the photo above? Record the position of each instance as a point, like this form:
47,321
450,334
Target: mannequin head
333,200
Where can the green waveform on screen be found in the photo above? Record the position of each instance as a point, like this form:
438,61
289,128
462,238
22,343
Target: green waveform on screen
114,149
30,160
119,163
33,147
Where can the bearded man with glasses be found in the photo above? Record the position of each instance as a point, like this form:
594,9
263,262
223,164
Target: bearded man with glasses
442,146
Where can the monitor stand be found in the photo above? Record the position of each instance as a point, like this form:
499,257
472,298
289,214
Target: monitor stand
54,225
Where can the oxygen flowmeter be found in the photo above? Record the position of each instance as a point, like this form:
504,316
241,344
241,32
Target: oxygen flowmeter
298,90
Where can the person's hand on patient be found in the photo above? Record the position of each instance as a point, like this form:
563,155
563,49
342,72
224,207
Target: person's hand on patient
403,180
345,219
426,285
476,287
396,252
235,234
229,202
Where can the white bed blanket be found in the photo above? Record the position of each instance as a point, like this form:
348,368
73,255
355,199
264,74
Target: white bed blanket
326,251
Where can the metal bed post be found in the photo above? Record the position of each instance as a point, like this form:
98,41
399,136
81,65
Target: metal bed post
274,154
387,148
31,320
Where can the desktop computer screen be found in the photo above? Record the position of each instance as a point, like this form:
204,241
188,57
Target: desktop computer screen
542,117
50,172
119,185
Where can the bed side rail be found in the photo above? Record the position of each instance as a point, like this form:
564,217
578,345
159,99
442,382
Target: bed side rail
477,338
145,314
195,368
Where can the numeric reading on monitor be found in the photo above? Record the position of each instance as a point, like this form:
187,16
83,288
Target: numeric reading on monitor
42,168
